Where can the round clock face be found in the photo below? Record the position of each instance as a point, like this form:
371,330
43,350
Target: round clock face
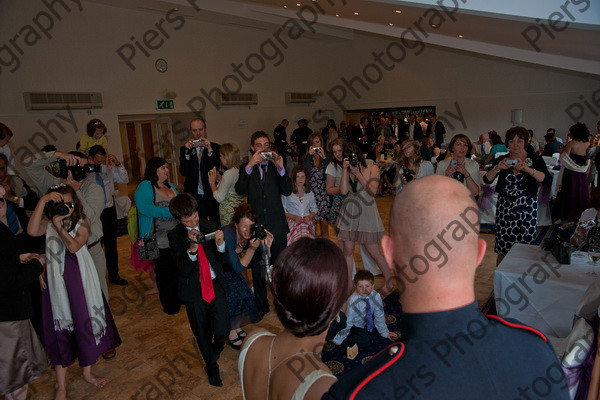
161,65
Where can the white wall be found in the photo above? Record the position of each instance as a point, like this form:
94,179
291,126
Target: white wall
81,57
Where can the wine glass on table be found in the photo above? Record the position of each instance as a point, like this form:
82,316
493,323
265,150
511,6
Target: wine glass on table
594,254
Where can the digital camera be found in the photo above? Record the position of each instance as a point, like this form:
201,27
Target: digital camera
409,175
259,232
352,158
202,238
511,163
316,149
53,208
59,169
267,154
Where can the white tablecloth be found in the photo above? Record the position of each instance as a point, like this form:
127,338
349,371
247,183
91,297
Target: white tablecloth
488,199
531,287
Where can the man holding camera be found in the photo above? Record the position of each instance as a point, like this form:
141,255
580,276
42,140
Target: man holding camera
198,250
113,172
196,157
88,191
264,180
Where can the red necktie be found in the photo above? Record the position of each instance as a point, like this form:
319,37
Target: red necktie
206,285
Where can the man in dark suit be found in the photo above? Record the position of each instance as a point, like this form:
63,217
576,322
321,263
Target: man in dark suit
198,156
300,137
415,132
264,180
436,129
202,281
363,135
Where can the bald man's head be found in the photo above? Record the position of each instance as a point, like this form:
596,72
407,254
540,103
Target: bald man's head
434,236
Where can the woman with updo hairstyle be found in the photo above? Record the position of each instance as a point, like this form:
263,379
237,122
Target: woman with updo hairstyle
309,287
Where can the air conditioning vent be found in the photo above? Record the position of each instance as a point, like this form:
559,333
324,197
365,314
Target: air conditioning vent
236,99
62,101
299,97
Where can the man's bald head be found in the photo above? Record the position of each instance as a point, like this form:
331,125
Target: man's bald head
434,238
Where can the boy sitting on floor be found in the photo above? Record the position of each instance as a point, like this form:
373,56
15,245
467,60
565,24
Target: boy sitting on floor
365,312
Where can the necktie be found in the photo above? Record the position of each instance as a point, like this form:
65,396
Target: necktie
200,150
482,148
100,182
369,313
264,171
206,284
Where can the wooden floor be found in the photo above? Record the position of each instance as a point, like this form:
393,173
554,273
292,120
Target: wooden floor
158,358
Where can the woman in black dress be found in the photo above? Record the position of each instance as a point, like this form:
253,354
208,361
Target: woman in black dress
519,175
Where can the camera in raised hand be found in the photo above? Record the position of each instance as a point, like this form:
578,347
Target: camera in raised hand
202,239
54,208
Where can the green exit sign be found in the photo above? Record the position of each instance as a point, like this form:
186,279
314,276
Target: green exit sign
165,105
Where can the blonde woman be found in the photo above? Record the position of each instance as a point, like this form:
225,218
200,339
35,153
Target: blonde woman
225,193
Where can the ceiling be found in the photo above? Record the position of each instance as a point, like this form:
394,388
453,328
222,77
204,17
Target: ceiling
522,35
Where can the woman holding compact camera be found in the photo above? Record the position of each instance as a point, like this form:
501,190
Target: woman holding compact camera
410,164
359,219
71,295
315,165
519,176
152,198
244,250
460,166
224,193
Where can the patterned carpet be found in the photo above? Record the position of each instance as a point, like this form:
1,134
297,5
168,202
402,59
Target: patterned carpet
335,356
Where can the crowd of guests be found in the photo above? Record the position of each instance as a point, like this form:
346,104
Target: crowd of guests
236,215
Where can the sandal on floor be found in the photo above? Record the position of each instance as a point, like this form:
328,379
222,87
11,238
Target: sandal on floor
236,343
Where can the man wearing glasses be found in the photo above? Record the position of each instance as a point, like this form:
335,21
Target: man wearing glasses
264,180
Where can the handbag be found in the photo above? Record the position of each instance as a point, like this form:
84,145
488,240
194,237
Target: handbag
148,247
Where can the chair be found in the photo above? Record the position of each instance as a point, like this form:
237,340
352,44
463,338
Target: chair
550,160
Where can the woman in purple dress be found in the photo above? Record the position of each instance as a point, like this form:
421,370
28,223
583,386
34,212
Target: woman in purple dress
76,320
573,196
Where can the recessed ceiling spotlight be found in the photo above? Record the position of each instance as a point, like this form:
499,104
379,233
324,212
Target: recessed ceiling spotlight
337,15
398,12
391,24
298,4
355,13
433,25
284,6
460,36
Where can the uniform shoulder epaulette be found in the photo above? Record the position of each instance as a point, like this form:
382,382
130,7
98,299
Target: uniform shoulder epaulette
394,352
518,326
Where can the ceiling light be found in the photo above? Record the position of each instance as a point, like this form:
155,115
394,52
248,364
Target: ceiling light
398,12
355,13
391,24
460,36
284,6
337,15
433,25
298,4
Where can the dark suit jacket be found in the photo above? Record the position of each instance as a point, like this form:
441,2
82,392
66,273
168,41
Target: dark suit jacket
357,134
265,197
189,276
438,134
189,169
417,133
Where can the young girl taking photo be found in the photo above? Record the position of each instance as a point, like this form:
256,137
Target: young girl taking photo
76,320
